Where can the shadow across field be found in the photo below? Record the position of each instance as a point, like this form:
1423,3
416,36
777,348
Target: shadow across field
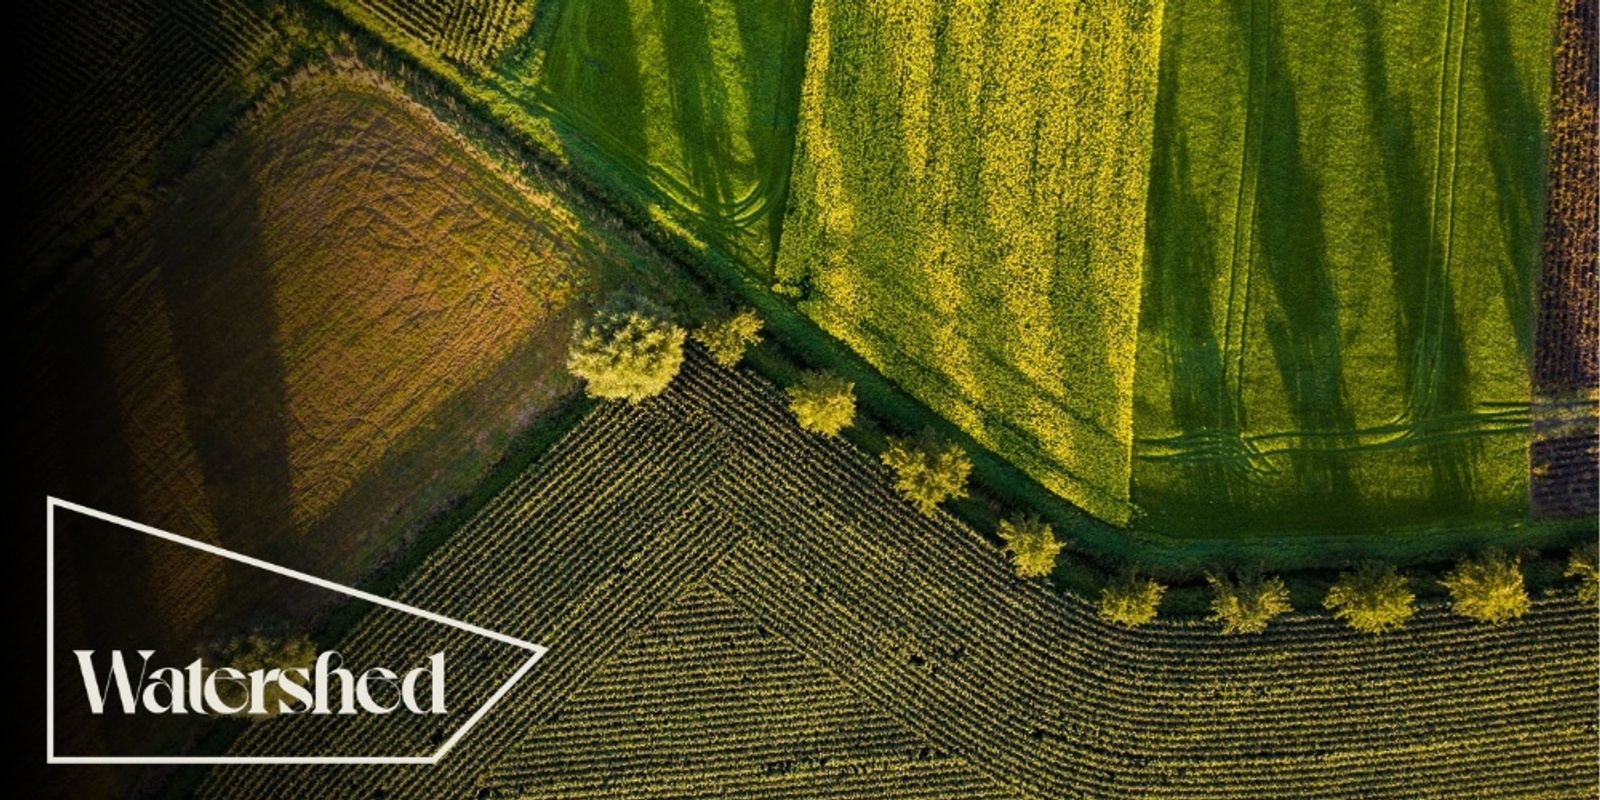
690,104
1314,392
117,590
216,283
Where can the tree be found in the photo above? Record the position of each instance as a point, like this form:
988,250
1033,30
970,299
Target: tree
1246,605
823,402
1488,588
1032,544
264,652
1372,599
630,349
1584,564
728,338
928,469
1131,600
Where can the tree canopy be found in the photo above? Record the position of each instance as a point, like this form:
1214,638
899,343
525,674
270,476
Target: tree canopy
630,349
1584,564
823,402
728,338
1372,599
1032,544
928,469
1247,604
1131,600
264,652
1488,587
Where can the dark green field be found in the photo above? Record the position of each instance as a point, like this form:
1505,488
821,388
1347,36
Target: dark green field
1344,235
685,107
697,97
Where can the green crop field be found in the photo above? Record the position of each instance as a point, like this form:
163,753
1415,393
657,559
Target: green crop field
683,104
736,607
967,212
1329,277
1344,234
696,96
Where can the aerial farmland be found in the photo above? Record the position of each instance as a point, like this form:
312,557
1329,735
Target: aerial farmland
696,398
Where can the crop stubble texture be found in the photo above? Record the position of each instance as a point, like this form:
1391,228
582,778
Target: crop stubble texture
928,665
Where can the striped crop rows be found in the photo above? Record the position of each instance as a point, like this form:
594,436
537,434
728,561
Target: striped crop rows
469,32
706,697
111,81
738,608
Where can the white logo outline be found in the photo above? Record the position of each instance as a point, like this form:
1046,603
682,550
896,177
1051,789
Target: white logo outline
53,503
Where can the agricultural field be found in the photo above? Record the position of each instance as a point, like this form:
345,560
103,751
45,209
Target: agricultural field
471,33
110,88
967,213
683,104
326,333
737,607
372,295
1222,290
1344,243
1566,366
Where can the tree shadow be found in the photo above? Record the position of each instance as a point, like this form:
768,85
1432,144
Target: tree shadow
218,293
105,586
699,102
1177,321
599,79
774,119
1432,361
1288,292
1305,336
1515,148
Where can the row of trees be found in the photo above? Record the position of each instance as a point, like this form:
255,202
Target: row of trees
631,349
1372,598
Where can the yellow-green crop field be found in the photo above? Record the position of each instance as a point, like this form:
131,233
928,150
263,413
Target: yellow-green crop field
967,211
1316,315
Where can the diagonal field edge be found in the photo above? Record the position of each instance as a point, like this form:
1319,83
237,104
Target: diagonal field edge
53,503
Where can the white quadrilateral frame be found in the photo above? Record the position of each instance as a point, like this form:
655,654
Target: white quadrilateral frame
52,503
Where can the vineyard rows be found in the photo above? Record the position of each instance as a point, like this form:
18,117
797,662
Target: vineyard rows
735,606
707,697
